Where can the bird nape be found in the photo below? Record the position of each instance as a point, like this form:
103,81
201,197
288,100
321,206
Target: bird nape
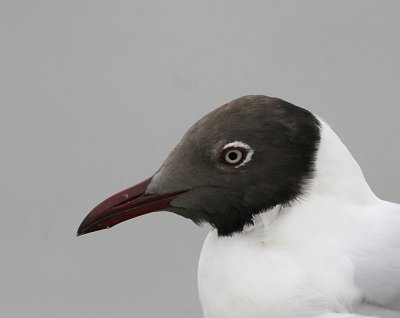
297,230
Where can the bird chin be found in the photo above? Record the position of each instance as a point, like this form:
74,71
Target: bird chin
197,216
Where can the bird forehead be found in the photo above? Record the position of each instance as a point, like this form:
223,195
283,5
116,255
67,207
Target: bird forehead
255,123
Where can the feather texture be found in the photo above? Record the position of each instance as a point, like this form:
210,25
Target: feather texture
332,253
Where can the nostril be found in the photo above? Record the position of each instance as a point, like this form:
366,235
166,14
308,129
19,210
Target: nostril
126,201
121,204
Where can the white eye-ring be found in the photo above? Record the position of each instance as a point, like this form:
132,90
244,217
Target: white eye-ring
236,154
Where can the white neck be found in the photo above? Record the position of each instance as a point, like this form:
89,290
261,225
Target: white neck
308,243
334,194
337,173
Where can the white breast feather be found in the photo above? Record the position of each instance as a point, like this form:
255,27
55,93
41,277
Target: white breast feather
329,254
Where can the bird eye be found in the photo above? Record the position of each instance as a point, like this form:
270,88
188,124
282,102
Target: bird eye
233,156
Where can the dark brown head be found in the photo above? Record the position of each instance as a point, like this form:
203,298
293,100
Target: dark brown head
243,158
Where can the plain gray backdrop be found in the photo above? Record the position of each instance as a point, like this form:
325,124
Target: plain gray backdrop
93,96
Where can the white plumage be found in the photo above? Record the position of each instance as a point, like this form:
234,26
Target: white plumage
334,253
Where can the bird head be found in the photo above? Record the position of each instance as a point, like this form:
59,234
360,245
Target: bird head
245,157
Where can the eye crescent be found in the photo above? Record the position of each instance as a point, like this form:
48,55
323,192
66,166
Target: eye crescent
233,156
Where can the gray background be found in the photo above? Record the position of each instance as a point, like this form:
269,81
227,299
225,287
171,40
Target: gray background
94,94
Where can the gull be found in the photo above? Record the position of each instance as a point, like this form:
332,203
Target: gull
296,230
